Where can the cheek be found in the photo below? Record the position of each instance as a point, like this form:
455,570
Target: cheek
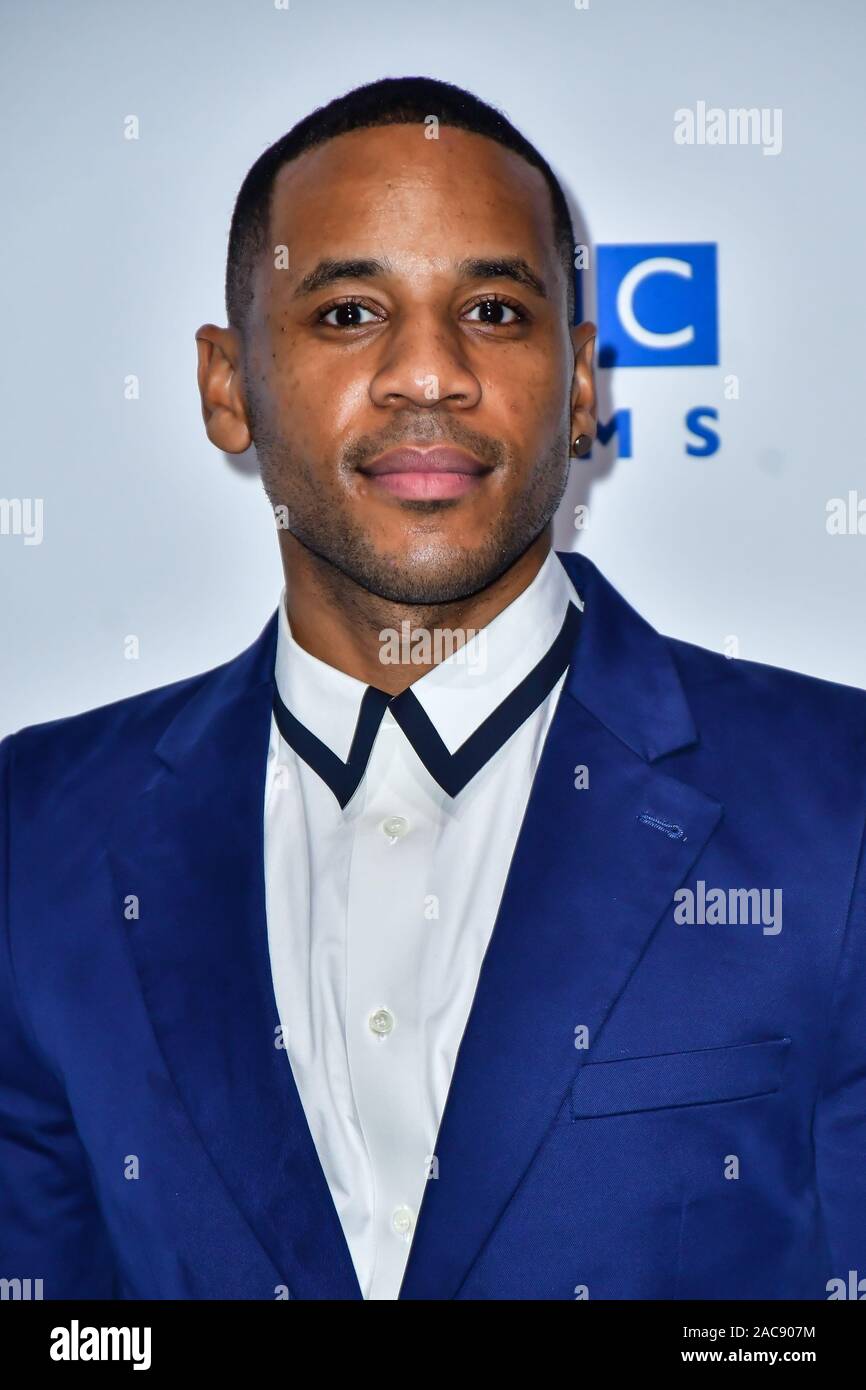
348,400
318,402
532,383
285,402
532,410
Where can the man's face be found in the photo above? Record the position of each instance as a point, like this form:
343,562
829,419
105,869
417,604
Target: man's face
419,349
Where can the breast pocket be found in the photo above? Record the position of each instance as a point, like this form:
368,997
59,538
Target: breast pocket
671,1079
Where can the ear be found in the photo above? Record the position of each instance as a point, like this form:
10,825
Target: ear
220,385
583,397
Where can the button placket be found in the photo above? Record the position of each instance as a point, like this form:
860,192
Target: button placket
385,943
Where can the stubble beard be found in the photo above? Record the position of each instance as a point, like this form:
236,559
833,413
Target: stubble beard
425,575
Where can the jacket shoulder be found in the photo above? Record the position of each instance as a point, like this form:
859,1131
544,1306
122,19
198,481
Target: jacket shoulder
760,699
132,719
81,757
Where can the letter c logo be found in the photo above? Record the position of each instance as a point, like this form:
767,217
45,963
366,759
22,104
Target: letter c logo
656,265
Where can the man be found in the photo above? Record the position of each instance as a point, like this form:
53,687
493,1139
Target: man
358,967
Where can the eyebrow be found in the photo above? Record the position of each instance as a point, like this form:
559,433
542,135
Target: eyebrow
329,272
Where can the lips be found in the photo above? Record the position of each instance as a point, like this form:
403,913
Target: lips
427,474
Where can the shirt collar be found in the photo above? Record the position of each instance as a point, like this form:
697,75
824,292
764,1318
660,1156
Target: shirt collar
457,694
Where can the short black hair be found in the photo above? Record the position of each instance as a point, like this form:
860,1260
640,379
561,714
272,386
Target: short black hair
390,101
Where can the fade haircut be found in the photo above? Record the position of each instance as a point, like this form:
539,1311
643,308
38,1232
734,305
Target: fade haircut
390,101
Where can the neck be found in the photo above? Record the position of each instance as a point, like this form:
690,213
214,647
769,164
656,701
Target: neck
338,621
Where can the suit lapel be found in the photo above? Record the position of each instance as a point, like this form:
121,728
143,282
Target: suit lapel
588,882
191,848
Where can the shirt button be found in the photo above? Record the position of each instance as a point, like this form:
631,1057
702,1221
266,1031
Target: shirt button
381,1022
395,826
402,1221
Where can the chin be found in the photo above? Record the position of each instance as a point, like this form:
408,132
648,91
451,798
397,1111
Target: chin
424,579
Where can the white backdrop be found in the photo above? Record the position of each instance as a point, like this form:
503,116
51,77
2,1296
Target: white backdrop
114,254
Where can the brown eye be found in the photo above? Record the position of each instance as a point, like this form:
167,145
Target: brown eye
347,314
496,312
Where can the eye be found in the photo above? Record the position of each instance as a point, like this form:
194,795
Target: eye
347,314
494,311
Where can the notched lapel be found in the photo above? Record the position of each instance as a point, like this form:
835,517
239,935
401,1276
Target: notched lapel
589,881
190,846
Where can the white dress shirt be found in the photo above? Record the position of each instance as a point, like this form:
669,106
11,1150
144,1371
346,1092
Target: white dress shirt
379,913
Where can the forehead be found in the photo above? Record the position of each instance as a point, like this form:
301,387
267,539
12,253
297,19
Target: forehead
390,189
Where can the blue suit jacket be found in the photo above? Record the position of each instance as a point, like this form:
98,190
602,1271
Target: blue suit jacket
709,1142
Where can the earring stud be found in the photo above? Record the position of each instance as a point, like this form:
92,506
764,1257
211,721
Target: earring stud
581,445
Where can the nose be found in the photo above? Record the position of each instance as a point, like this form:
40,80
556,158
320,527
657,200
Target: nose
424,363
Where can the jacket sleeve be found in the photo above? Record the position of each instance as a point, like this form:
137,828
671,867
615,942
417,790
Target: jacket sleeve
840,1114
50,1224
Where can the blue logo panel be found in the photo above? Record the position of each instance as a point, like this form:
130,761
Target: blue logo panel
657,305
